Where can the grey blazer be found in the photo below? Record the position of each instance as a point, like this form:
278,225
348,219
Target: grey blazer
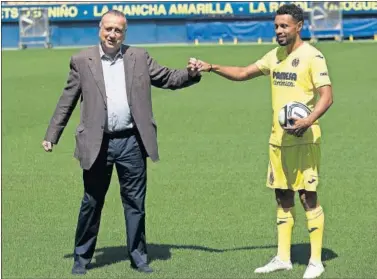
86,82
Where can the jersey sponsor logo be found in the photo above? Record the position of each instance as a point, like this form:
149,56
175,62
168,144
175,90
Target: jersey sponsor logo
281,222
320,56
284,83
323,74
295,62
284,78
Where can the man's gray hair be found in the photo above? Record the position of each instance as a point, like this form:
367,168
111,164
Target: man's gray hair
113,12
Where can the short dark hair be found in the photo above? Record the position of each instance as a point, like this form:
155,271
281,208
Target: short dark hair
293,10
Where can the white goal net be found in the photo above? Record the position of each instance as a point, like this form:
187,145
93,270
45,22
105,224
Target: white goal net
34,28
326,20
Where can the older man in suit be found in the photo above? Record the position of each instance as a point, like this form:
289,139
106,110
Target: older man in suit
113,83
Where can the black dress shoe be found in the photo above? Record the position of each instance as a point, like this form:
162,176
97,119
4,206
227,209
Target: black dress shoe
78,269
143,268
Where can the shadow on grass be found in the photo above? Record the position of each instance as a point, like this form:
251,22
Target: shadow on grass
111,255
300,254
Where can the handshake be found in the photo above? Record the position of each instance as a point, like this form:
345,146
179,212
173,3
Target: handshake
195,66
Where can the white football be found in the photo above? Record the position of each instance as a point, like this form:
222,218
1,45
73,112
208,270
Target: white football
292,109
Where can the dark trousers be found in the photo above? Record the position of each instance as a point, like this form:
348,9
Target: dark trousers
126,151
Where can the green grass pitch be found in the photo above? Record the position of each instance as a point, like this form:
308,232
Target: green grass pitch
209,214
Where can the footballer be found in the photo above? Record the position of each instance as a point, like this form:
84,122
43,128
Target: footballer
298,72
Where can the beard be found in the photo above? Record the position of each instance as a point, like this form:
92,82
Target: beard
286,41
283,43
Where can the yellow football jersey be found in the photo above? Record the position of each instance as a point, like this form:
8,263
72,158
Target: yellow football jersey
294,77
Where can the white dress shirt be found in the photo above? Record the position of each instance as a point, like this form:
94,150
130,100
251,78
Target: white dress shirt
118,111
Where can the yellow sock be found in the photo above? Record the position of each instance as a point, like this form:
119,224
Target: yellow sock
285,222
316,220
